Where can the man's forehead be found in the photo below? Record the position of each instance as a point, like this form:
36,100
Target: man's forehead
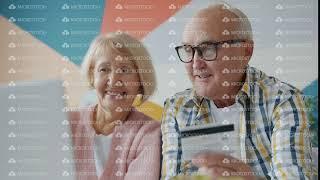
197,36
208,25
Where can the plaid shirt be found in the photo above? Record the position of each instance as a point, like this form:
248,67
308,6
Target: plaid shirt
274,131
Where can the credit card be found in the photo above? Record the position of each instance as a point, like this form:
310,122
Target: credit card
213,138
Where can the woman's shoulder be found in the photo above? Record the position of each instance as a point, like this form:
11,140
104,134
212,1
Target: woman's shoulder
144,122
146,130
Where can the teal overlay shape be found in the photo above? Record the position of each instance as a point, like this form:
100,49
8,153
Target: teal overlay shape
67,26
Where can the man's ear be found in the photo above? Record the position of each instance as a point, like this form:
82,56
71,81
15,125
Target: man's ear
249,49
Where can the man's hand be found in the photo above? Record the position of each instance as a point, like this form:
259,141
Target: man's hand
219,165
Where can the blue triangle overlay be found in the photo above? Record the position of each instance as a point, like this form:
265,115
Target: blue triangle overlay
67,26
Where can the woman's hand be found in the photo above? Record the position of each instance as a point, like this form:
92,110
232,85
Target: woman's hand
220,165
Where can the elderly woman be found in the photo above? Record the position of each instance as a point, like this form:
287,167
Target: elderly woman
112,140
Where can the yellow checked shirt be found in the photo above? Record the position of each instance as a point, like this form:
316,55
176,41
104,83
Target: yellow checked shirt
274,131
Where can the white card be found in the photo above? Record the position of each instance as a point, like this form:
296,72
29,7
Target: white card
212,138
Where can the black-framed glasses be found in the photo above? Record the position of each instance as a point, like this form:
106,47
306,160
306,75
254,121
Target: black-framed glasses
206,50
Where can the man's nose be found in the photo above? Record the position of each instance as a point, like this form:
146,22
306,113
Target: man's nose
114,79
198,62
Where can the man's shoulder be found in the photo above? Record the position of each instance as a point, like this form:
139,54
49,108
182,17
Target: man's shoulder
181,96
272,84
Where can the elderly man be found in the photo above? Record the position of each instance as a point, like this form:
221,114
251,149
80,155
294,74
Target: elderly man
268,115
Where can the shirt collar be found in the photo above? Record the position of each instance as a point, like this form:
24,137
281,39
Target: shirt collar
247,87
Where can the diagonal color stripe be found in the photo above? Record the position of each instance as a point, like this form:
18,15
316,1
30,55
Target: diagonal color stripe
138,17
65,26
31,59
